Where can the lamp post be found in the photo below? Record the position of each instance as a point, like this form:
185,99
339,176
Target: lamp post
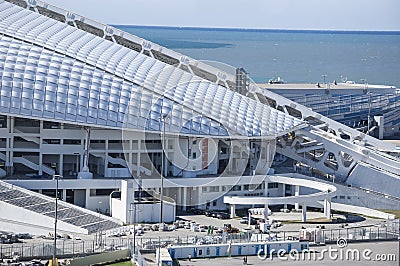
134,228
162,168
133,220
57,178
369,103
99,233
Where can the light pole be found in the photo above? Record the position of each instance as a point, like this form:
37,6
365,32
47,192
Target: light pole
134,226
99,233
55,177
369,103
134,229
162,169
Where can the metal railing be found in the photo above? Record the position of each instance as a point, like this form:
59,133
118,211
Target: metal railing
65,248
388,230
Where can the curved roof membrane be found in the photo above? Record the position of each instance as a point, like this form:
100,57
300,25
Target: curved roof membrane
50,70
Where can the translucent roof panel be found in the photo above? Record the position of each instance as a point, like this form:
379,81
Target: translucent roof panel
52,70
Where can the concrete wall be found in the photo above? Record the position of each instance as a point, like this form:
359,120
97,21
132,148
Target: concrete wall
193,166
362,210
19,220
374,179
101,258
101,203
150,212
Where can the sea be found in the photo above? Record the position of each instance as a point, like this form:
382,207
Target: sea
294,56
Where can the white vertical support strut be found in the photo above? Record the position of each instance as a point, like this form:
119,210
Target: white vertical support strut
327,208
303,212
84,173
184,198
233,211
296,193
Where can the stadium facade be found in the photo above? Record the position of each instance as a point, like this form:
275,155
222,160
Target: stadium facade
98,105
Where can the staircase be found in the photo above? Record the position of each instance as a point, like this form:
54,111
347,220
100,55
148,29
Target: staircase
122,162
27,138
34,166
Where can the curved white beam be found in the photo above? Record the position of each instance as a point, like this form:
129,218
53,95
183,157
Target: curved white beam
325,191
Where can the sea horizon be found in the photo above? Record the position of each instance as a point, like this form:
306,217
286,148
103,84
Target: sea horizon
294,55
322,31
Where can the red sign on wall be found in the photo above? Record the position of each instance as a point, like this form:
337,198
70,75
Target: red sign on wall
204,153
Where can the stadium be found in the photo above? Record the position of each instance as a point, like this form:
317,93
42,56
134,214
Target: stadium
105,119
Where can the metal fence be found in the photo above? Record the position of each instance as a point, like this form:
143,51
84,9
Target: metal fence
384,231
72,248
65,248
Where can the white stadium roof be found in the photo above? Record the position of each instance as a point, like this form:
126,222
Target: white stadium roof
51,70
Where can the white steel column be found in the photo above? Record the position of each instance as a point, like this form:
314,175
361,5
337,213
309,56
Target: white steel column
296,193
40,150
184,201
8,161
61,164
63,194
87,196
106,157
233,211
327,208
303,212
266,189
139,144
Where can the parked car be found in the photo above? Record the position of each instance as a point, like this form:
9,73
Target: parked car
195,211
208,213
245,220
222,215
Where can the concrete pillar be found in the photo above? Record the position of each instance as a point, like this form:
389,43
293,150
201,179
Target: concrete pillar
283,190
139,144
87,196
165,162
61,164
233,210
40,150
8,162
40,160
63,194
266,189
266,212
184,200
327,208
303,213
296,193
380,122
106,159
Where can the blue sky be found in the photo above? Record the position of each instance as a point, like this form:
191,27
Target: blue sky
266,14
